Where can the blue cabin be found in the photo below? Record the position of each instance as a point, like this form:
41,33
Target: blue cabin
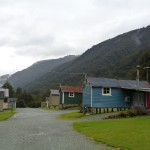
113,93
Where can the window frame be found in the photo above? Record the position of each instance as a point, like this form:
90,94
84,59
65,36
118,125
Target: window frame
128,99
71,94
104,89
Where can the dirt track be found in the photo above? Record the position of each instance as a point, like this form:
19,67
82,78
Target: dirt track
36,129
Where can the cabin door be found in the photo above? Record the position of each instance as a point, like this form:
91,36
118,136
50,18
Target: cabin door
148,99
1,105
138,99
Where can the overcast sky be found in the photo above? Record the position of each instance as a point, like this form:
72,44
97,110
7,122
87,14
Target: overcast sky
33,30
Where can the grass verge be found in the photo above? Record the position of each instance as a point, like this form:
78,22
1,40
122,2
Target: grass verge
46,108
72,108
128,134
6,115
72,116
69,108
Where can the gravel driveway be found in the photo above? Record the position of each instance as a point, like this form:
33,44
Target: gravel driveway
37,129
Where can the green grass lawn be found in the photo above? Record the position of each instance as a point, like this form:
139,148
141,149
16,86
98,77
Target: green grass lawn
129,134
72,116
73,108
6,115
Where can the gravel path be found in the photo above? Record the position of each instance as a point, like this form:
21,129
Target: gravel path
36,129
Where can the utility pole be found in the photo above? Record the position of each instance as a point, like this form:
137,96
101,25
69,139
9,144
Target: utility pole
137,79
85,75
137,74
146,68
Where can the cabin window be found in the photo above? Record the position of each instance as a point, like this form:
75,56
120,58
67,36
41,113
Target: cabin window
128,99
106,91
71,94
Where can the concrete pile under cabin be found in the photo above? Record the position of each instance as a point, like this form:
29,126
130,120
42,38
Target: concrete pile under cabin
112,93
70,96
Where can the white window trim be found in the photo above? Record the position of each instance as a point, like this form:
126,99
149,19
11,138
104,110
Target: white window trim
63,98
71,95
128,99
106,94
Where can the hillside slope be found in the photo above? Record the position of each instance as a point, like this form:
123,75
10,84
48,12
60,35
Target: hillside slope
3,79
114,58
38,69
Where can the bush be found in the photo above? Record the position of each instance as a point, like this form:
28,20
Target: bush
34,104
130,113
122,115
112,117
21,103
141,111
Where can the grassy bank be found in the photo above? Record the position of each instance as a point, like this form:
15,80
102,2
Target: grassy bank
69,108
6,115
129,134
72,116
46,108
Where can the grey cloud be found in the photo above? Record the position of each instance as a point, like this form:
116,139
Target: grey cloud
28,40
48,27
3,41
40,46
35,29
41,51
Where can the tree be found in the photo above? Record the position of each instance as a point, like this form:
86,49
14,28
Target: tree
21,103
18,92
27,97
145,62
7,85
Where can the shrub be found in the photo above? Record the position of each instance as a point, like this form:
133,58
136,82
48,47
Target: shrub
21,103
130,113
141,111
34,104
113,117
122,114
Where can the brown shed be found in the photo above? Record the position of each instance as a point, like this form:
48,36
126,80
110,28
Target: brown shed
1,104
1,100
54,100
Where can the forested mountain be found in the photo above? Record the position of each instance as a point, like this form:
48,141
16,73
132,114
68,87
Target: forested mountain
38,69
114,58
3,79
145,66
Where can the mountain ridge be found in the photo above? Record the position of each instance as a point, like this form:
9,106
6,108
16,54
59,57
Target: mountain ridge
113,58
27,75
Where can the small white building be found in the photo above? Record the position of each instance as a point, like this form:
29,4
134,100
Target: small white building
4,93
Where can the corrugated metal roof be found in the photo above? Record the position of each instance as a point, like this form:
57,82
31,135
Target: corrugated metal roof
54,92
72,89
107,82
